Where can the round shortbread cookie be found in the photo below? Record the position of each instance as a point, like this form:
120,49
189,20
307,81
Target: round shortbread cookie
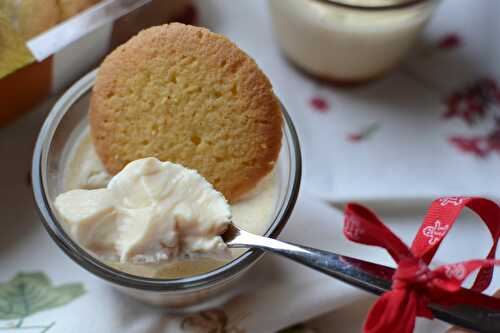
184,94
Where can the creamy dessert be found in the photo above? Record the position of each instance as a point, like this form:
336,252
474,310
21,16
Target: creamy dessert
180,120
345,44
149,212
96,229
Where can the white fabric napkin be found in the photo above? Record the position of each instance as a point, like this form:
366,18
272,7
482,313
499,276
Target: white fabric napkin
278,292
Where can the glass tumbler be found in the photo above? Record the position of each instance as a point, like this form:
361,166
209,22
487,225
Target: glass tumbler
348,41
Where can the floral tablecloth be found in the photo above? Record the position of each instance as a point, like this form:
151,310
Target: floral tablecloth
430,128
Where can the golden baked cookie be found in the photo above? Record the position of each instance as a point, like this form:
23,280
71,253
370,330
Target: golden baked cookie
31,17
70,8
187,95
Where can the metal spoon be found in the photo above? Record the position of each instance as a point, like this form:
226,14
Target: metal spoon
371,277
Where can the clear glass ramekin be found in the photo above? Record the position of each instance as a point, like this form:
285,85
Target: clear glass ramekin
348,41
67,117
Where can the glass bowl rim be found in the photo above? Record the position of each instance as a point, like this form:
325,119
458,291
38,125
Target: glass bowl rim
396,6
94,265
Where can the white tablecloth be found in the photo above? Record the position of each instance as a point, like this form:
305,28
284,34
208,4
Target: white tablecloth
386,143
404,150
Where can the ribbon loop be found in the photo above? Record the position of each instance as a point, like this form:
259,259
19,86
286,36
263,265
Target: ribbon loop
414,284
362,226
441,217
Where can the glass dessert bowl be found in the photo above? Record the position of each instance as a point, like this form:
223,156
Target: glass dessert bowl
64,131
348,41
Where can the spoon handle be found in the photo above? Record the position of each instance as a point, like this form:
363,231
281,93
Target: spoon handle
373,278
340,267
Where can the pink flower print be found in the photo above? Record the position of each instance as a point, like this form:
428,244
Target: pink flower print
493,138
319,104
354,137
474,145
365,133
449,41
471,103
480,146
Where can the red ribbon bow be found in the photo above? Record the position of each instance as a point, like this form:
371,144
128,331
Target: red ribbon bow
414,284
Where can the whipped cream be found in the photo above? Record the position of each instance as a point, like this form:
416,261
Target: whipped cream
151,211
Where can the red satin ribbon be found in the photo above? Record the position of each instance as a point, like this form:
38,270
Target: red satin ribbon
414,284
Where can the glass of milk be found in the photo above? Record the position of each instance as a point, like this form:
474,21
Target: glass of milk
348,41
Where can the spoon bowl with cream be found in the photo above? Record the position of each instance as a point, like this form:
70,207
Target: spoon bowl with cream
155,212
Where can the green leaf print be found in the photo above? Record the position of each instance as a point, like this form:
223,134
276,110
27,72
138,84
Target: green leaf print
29,293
